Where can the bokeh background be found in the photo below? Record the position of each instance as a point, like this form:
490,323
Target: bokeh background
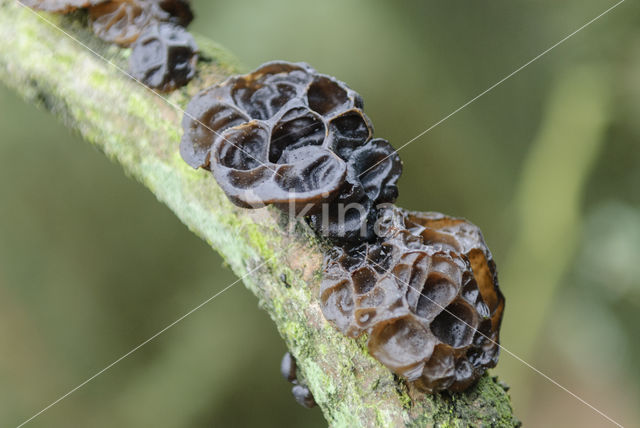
547,164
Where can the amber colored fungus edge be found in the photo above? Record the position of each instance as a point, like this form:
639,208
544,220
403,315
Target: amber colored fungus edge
123,21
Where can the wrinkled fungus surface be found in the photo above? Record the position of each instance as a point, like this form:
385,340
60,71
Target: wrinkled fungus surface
289,136
422,286
60,6
164,57
426,294
123,21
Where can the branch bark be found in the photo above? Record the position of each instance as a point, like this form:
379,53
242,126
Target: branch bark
141,132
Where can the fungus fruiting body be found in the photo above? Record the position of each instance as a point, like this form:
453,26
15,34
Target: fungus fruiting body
288,136
164,57
164,54
301,393
422,286
303,396
427,295
123,21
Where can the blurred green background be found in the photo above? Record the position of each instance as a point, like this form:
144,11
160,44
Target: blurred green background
547,164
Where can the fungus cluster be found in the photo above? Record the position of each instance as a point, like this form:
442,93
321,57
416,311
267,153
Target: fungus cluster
288,136
427,295
164,54
422,286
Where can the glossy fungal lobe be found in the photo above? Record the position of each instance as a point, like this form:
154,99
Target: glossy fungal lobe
164,57
303,396
301,392
288,367
426,294
289,136
122,21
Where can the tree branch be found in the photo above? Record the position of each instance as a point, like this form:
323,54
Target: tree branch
141,132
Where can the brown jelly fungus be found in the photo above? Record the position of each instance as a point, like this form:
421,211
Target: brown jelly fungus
164,57
289,136
301,393
426,294
288,367
303,396
60,6
123,21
